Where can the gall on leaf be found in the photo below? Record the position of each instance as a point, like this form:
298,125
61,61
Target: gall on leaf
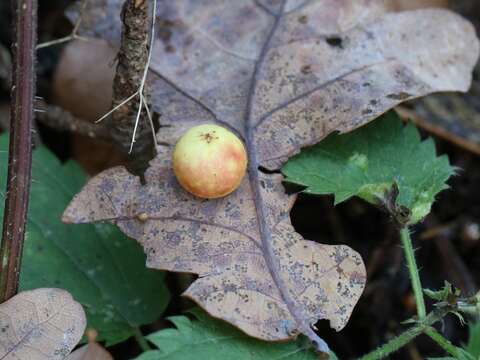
269,72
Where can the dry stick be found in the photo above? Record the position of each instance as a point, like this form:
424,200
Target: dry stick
73,35
130,82
61,120
143,99
20,151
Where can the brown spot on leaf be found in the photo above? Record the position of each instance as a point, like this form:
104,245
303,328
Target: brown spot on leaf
306,69
399,96
303,19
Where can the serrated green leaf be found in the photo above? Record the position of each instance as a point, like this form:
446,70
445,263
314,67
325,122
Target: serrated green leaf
442,294
209,339
382,162
435,295
97,264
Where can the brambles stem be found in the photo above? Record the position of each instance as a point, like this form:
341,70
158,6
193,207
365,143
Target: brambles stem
20,150
442,342
413,271
425,322
418,292
407,336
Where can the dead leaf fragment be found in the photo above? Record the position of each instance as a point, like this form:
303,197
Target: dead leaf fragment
40,324
270,287
399,5
83,79
282,75
91,351
83,86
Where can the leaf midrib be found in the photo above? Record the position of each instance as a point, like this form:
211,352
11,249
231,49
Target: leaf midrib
253,173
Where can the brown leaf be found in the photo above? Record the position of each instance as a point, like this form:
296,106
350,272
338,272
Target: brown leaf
282,75
40,324
398,5
82,85
83,79
91,351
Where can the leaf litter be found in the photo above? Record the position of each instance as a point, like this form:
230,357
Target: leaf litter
40,324
282,75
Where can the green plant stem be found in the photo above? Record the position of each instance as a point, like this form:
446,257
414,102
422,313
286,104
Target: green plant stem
442,342
395,344
407,336
424,326
142,342
414,273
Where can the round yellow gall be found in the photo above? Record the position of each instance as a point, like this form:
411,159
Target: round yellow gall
209,161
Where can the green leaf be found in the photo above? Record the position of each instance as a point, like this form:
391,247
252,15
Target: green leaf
103,269
208,339
383,162
473,346
446,294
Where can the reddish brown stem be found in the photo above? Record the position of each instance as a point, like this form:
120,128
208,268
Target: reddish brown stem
20,151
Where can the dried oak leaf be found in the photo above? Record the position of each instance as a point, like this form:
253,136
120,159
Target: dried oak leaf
91,351
282,75
40,324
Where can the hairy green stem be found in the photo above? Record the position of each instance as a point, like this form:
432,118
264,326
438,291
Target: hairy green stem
413,270
418,292
442,342
424,326
395,344
407,336
142,342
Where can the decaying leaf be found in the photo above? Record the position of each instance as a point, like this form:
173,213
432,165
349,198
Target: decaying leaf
282,75
255,271
40,324
91,351
102,269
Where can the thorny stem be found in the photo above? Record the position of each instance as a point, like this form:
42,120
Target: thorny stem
418,290
442,342
141,340
413,270
20,150
425,321
407,336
